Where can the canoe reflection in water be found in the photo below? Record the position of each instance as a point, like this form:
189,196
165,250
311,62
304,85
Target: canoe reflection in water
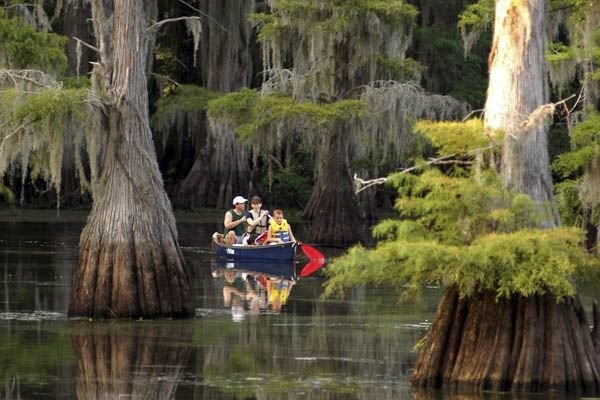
255,288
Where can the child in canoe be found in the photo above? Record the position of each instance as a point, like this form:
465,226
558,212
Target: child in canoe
279,230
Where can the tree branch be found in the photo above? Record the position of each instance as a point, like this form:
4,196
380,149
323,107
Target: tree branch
157,25
5,138
30,75
166,78
361,184
89,46
208,17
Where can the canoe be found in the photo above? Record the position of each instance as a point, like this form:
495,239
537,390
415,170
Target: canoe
283,252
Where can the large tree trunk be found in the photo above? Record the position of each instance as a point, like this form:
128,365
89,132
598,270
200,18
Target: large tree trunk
332,207
517,87
130,264
526,344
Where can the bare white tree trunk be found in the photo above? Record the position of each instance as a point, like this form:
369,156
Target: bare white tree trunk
517,88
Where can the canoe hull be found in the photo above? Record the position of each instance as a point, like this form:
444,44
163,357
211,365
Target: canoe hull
284,252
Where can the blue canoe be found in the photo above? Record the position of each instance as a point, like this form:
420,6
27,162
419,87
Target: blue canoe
284,252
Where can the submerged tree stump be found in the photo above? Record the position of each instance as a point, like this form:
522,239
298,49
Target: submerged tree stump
520,344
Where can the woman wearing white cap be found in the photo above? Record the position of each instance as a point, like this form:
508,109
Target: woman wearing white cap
235,221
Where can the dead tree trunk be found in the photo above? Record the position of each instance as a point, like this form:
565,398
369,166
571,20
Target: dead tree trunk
130,264
523,344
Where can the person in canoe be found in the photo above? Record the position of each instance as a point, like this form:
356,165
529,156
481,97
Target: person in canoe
235,222
279,230
258,220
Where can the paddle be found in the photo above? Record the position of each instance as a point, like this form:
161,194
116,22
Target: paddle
311,252
310,267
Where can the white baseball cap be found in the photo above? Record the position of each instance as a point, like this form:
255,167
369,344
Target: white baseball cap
239,199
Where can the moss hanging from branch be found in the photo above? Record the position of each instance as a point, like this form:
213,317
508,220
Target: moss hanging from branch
386,133
34,128
182,110
476,19
333,45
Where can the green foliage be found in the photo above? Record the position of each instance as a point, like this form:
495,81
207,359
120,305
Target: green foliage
401,69
454,137
334,16
292,185
182,98
569,202
51,105
457,210
250,112
525,262
558,52
584,139
448,69
24,47
7,194
76,82
477,15
468,233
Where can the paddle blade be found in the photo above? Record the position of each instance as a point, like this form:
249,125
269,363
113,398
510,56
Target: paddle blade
311,267
311,252
261,238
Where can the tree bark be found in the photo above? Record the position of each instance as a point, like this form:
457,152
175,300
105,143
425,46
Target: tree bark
520,344
517,87
332,206
130,264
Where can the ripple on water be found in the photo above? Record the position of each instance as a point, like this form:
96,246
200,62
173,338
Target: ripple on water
32,316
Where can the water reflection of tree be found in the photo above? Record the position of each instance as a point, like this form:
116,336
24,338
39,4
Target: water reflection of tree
137,360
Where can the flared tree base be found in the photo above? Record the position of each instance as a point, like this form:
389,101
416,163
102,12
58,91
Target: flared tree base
131,280
521,344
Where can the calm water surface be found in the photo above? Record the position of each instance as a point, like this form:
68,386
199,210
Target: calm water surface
246,341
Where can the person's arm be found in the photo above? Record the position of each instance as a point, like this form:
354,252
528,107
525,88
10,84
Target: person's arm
252,222
270,238
292,238
230,223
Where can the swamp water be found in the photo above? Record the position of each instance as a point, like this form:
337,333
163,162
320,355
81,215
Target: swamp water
357,348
